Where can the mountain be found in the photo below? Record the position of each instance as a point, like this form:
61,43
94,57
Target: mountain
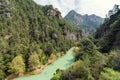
87,22
97,57
108,34
30,34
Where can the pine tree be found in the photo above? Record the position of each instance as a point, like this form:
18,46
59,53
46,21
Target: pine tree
5,7
1,65
17,65
34,61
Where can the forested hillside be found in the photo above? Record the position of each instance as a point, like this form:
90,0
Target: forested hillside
97,57
33,36
109,33
30,34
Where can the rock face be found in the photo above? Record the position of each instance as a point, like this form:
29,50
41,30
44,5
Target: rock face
87,22
71,36
54,12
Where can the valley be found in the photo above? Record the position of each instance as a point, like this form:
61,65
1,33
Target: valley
38,43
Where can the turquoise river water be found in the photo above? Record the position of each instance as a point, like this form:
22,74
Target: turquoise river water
47,73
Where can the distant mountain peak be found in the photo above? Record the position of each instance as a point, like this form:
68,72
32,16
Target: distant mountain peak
72,11
87,22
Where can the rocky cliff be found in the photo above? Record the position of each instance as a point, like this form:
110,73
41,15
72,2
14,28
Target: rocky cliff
87,22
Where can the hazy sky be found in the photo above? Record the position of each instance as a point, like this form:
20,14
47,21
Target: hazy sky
98,7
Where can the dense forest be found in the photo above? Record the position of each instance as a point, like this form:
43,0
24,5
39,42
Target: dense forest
30,34
97,57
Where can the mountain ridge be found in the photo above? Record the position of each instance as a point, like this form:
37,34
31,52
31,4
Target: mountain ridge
88,22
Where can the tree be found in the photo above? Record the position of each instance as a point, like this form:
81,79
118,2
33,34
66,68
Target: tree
91,56
48,49
79,71
1,74
109,74
57,75
34,61
1,65
42,56
114,60
17,65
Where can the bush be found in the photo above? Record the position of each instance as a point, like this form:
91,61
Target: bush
109,74
77,71
33,61
114,60
17,65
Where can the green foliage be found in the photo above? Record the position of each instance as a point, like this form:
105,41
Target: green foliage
113,60
34,61
76,52
42,56
87,48
1,60
48,49
2,74
91,57
29,29
78,71
108,34
57,75
90,63
17,65
109,74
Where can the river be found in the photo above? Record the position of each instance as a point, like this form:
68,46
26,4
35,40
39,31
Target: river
47,73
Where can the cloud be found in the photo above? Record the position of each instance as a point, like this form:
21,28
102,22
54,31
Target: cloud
98,7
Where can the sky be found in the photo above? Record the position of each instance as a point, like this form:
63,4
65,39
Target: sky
97,7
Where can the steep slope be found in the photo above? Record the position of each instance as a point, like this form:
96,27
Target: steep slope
109,33
98,57
88,22
31,31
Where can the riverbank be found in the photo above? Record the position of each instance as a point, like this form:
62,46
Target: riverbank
47,72
39,69
50,61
